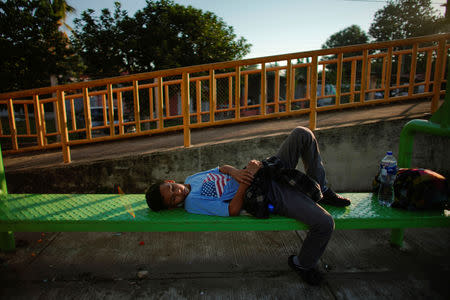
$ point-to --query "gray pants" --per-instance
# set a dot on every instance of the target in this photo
(301, 143)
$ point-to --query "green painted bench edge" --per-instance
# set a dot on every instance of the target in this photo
(204, 226)
(181, 221)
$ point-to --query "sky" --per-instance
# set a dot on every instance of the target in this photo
(273, 27)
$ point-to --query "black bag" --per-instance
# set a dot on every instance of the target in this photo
(418, 189)
(256, 202)
(255, 199)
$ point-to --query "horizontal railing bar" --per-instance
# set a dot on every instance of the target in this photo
(47, 134)
(378, 55)
(18, 102)
(374, 101)
(33, 148)
(26, 135)
(77, 130)
(142, 133)
(252, 118)
(44, 101)
(73, 96)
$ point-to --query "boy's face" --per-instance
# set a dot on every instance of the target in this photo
(173, 193)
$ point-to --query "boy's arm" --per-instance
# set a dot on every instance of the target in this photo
(244, 177)
(234, 208)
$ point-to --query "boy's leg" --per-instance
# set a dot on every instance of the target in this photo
(301, 142)
(321, 225)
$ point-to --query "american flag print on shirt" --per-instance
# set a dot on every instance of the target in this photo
(214, 185)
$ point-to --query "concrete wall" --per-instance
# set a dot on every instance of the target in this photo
(350, 154)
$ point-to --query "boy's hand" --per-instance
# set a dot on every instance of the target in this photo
(242, 176)
(253, 166)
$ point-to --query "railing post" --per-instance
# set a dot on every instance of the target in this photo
(412, 72)
(212, 96)
(185, 100)
(112, 129)
(198, 101)
(387, 81)
(313, 100)
(137, 113)
(289, 81)
(38, 120)
(43, 123)
(237, 95)
(27, 119)
(339, 78)
(263, 89)
(277, 91)
(63, 126)
(160, 103)
(438, 75)
(87, 113)
(362, 97)
(12, 125)
(120, 112)
(353, 82)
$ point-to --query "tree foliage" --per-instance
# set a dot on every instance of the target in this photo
(161, 35)
(32, 46)
(402, 19)
(60, 9)
(351, 35)
(103, 43)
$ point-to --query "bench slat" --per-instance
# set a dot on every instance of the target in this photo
(112, 212)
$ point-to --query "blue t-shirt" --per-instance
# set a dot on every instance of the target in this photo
(211, 192)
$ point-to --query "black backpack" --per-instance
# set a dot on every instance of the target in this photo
(255, 200)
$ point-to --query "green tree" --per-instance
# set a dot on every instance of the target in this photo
(32, 46)
(60, 9)
(105, 42)
(162, 35)
(402, 19)
(351, 35)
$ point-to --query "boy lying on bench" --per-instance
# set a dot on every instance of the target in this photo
(222, 191)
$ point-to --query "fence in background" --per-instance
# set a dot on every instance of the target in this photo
(223, 93)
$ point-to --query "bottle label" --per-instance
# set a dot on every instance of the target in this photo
(388, 169)
(391, 170)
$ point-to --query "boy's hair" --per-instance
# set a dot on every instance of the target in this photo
(154, 197)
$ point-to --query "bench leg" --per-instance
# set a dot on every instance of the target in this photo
(397, 237)
(7, 242)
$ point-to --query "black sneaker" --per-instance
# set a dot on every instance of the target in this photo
(331, 198)
(311, 276)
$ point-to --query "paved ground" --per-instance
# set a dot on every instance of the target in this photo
(359, 264)
(137, 146)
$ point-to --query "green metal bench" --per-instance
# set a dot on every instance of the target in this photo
(112, 213)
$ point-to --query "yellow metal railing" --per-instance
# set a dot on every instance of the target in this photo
(223, 93)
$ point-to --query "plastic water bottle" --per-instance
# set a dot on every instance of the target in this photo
(388, 171)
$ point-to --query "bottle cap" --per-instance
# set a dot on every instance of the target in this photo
(389, 153)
